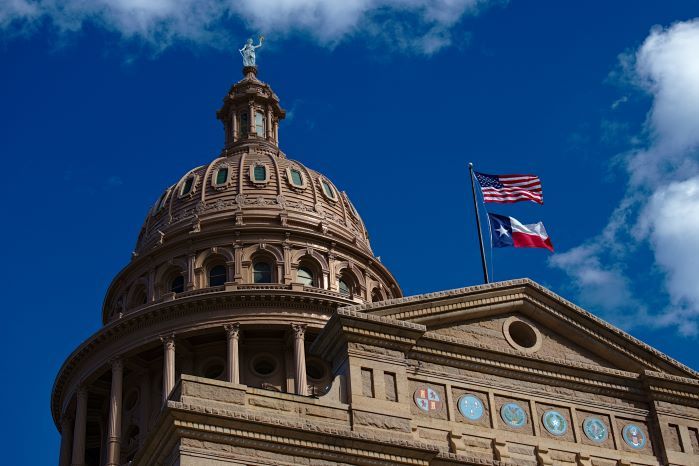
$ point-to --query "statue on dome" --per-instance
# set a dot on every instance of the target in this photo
(248, 51)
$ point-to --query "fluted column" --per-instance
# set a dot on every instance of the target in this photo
(66, 440)
(79, 429)
(114, 427)
(251, 118)
(168, 365)
(232, 336)
(301, 386)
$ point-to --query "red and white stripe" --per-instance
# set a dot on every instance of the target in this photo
(515, 188)
(530, 236)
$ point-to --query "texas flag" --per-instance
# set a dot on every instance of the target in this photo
(510, 232)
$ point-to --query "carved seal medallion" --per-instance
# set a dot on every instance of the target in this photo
(470, 407)
(427, 399)
(634, 436)
(555, 423)
(513, 415)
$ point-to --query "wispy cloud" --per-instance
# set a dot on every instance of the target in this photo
(660, 210)
(417, 26)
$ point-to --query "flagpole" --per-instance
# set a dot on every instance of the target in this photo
(478, 225)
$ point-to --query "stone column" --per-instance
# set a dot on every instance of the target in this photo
(80, 426)
(168, 365)
(251, 118)
(269, 123)
(114, 426)
(66, 440)
(232, 336)
(234, 126)
(300, 359)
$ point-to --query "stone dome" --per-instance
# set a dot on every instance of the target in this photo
(253, 184)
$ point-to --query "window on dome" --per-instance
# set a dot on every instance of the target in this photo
(343, 286)
(177, 284)
(296, 177)
(187, 186)
(259, 173)
(260, 124)
(327, 189)
(261, 272)
(244, 124)
(217, 275)
(222, 176)
(305, 276)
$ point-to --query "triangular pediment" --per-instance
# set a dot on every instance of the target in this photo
(520, 317)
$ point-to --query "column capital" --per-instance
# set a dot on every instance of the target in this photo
(299, 330)
(232, 329)
(117, 363)
(168, 340)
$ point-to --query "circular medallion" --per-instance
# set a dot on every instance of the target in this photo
(595, 429)
(470, 407)
(555, 423)
(634, 436)
(427, 399)
(513, 415)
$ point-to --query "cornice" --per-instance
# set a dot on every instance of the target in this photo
(533, 293)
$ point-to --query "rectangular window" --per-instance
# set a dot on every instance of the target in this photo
(260, 173)
(187, 185)
(260, 124)
(296, 178)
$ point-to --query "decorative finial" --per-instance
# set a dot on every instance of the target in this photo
(248, 51)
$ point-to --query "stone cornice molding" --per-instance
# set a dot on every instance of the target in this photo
(527, 292)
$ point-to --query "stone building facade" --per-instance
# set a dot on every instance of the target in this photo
(255, 326)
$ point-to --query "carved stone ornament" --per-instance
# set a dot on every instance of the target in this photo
(168, 341)
(232, 330)
(595, 429)
(513, 415)
(634, 436)
(299, 330)
(470, 407)
(555, 423)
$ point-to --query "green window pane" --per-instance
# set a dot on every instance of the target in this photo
(222, 175)
(327, 189)
(260, 124)
(259, 173)
(296, 178)
(187, 185)
(343, 287)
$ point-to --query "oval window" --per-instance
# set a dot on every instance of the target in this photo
(187, 186)
(259, 173)
(264, 366)
(327, 189)
(217, 275)
(296, 177)
(222, 176)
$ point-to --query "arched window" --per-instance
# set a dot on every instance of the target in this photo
(217, 275)
(260, 124)
(139, 297)
(261, 272)
(305, 276)
(177, 284)
(343, 286)
(222, 176)
(376, 295)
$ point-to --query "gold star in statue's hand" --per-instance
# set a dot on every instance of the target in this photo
(262, 38)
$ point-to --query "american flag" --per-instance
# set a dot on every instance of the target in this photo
(506, 189)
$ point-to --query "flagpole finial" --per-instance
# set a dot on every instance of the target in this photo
(470, 165)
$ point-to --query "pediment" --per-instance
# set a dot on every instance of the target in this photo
(483, 316)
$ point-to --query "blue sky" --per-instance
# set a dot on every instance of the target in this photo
(106, 103)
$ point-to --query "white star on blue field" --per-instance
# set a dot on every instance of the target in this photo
(107, 103)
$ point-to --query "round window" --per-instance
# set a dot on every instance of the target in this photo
(315, 370)
(213, 370)
(264, 365)
(521, 335)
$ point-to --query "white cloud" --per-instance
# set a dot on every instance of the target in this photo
(661, 207)
(422, 26)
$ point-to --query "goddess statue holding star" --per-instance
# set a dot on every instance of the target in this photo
(248, 51)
